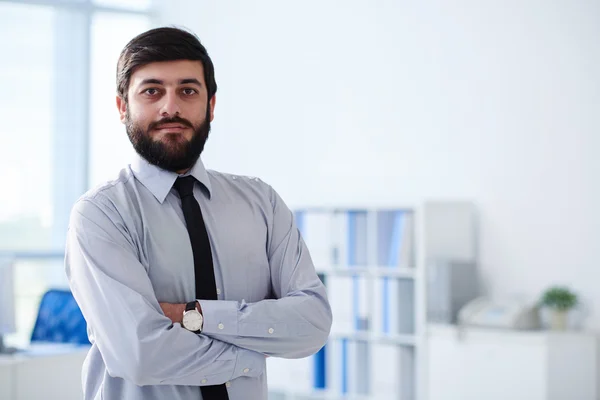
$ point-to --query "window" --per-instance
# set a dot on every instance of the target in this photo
(110, 149)
(28, 117)
(60, 130)
(140, 5)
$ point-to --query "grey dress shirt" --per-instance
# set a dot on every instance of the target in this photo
(128, 249)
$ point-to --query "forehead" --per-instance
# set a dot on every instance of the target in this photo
(168, 71)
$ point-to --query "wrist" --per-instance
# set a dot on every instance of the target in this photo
(191, 317)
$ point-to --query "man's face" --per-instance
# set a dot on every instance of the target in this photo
(167, 115)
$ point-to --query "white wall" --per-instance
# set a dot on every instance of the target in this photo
(392, 101)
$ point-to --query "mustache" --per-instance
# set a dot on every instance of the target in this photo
(170, 120)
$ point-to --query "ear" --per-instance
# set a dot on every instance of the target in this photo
(122, 106)
(211, 104)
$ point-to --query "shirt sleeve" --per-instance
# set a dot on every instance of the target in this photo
(294, 325)
(137, 341)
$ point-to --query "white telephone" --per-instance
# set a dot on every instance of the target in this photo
(513, 314)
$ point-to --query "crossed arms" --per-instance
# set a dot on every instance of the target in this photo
(142, 342)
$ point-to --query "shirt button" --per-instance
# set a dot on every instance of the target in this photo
(204, 381)
(246, 370)
(218, 291)
(221, 326)
(271, 330)
(227, 384)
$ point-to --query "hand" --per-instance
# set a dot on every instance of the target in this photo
(173, 311)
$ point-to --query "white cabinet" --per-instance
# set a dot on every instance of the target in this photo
(6, 377)
(475, 364)
(372, 261)
(43, 372)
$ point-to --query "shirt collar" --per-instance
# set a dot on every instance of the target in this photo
(160, 181)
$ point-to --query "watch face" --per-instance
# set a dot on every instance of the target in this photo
(192, 320)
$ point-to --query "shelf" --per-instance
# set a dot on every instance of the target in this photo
(283, 394)
(379, 338)
(326, 209)
(370, 271)
(372, 260)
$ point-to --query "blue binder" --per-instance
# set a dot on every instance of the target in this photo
(319, 359)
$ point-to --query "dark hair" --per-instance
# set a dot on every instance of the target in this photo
(163, 44)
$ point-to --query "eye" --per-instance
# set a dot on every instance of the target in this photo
(151, 91)
(189, 91)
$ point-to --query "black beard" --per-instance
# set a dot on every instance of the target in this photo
(174, 156)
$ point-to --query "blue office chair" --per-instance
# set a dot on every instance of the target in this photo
(59, 320)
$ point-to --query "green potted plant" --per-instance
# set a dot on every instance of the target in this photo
(560, 300)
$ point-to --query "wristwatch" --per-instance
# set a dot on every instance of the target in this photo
(192, 319)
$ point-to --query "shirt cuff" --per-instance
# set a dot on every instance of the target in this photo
(220, 317)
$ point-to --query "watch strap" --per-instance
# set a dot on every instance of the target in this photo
(190, 306)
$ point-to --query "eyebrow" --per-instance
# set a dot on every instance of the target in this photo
(184, 81)
(190, 80)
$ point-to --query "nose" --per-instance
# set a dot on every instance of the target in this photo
(170, 106)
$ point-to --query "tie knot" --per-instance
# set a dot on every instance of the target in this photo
(185, 186)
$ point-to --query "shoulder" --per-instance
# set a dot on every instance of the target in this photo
(251, 194)
(103, 199)
(236, 179)
(246, 186)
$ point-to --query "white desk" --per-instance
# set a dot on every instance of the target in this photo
(6, 378)
(42, 372)
(500, 365)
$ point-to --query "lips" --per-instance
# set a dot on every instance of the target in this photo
(171, 126)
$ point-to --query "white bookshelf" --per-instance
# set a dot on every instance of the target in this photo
(373, 262)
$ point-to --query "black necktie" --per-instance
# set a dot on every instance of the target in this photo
(206, 287)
